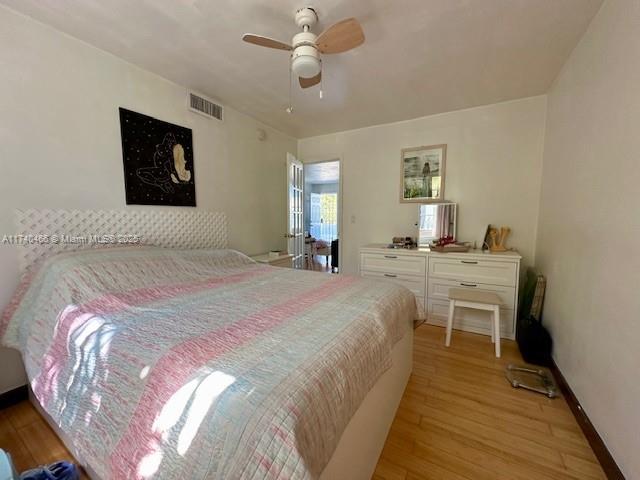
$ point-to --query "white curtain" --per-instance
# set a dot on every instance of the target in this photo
(443, 220)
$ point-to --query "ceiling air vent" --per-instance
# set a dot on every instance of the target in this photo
(204, 106)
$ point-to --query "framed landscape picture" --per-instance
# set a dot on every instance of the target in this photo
(422, 174)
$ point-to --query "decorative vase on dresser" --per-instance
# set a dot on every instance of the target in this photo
(429, 275)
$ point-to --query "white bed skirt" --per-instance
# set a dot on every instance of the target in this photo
(359, 447)
(357, 453)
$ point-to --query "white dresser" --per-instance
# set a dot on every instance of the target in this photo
(429, 275)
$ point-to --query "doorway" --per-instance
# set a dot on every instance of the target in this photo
(322, 215)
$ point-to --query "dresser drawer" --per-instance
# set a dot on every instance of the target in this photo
(390, 263)
(473, 271)
(470, 320)
(439, 290)
(413, 282)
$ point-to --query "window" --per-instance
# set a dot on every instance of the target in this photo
(324, 216)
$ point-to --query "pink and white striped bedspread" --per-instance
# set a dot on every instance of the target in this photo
(170, 364)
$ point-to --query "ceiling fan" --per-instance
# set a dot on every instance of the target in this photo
(306, 47)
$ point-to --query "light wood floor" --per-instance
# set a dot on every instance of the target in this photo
(459, 419)
(28, 438)
(319, 264)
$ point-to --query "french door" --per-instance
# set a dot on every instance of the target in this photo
(295, 201)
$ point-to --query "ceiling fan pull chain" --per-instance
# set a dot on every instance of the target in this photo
(321, 80)
(289, 109)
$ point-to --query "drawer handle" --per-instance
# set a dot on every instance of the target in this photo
(469, 262)
(468, 285)
(390, 275)
(390, 256)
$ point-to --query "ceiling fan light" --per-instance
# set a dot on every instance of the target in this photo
(306, 59)
(306, 66)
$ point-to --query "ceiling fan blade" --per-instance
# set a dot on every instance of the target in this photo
(310, 82)
(265, 41)
(341, 36)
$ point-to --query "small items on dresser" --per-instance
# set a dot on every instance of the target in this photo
(442, 241)
(494, 239)
(448, 244)
(403, 242)
(450, 248)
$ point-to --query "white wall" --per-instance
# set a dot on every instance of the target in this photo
(494, 161)
(590, 226)
(60, 144)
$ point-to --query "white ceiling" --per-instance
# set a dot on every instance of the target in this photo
(420, 57)
(324, 172)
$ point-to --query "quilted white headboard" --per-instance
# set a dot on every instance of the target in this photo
(51, 231)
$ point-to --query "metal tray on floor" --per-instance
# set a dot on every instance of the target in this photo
(535, 379)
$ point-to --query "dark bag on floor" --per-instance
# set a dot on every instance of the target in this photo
(534, 341)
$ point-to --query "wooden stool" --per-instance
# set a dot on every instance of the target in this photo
(480, 300)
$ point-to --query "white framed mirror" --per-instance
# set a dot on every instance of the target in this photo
(435, 221)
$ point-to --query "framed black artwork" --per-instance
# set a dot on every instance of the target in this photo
(158, 161)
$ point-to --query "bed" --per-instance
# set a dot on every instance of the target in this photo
(178, 363)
